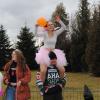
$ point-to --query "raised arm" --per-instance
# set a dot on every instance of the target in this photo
(63, 27)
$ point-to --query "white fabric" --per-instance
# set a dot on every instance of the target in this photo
(50, 42)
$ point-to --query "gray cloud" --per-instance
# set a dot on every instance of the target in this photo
(15, 13)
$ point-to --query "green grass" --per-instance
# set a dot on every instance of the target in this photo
(74, 86)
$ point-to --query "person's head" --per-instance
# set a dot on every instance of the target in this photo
(53, 58)
(18, 57)
(50, 26)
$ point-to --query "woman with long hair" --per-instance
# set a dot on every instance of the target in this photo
(17, 75)
(50, 38)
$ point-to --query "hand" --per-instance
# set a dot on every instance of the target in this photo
(60, 85)
(6, 81)
(18, 83)
(58, 18)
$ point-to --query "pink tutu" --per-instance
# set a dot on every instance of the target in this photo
(43, 58)
(1, 92)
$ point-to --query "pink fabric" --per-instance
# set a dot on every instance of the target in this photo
(61, 59)
(43, 58)
(1, 92)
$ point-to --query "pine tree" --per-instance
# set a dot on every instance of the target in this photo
(61, 12)
(4, 46)
(62, 42)
(93, 46)
(26, 44)
(80, 37)
(75, 51)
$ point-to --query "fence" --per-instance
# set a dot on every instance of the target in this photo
(68, 94)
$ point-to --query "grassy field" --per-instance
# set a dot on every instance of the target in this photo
(74, 87)
(77, 80)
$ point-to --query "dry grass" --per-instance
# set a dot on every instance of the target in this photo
(77, 80)
(74, 86)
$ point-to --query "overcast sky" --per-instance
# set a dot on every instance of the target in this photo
(16, 13)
